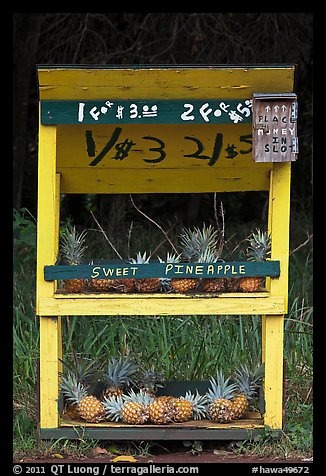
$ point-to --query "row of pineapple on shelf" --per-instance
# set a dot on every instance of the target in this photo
(202, 245)
(125, 393)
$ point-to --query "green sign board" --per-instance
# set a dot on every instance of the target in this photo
(163, 270)
(149, 111)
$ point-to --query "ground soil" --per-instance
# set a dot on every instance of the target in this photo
(177, 457)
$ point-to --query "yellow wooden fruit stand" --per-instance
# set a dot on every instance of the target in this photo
(105, 110)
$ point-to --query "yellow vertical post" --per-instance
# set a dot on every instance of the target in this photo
(273, 326)
(57, 229)
(47, 247)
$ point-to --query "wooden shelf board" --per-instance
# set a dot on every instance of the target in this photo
(251, 420)
(246, 428)
(161, 304)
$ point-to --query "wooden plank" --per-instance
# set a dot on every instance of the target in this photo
(273, 359)
(127, 270)
(166, 146)
(251, 420)
(150, 305)
(149, 111)
(280, 225)
(113, 181)
(143, 434)
(47, 220)
(49, 371)
(156, 159)
(273, 326)
(162, 82)
(63, 294)
(246, 428)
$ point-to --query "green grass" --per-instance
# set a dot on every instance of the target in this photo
(183, 348)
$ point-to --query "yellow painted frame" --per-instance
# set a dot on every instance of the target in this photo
(199, 82)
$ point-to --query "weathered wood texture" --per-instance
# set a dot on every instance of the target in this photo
(161, 159)
(275, 128)
(162, 82)
(151, 305)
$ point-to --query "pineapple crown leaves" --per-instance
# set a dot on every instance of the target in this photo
(120, 370)
(72, 245)
(221, 388)
(196, 241)
(140, 258)
(140, 397)
(198, 402)
(73, 390)
(208, 256)
(248, 380)
(259, 248)
(85, 370)
(112, 406)
(151, 379)
(170, 258)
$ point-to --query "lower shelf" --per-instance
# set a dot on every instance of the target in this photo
(246, 428)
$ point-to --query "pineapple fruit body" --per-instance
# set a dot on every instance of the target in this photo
(212, 285)
(91, 409)
(221, 411)
(232, 284)
(161, 410)
(184, 285)
(148, 285)
(100, 285)
(250, 284)
(240, 405)
(191, 406)
(134, 413)
(74, 285)
(182, 409)
(126, 285)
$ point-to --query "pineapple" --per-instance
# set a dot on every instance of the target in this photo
(191, 406)
(232, 284)
(88, 407)
(211, 285)
(131, 409)
(259, 250)
(199, 245)
(161, 410)
(100, 285)
(150, 381)
(145, 285)
(126, 285)
(170, 258)
(119, 372)
(247, 383)
(72, 250)
(183, 285)
(86, 372)
(219, 397)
